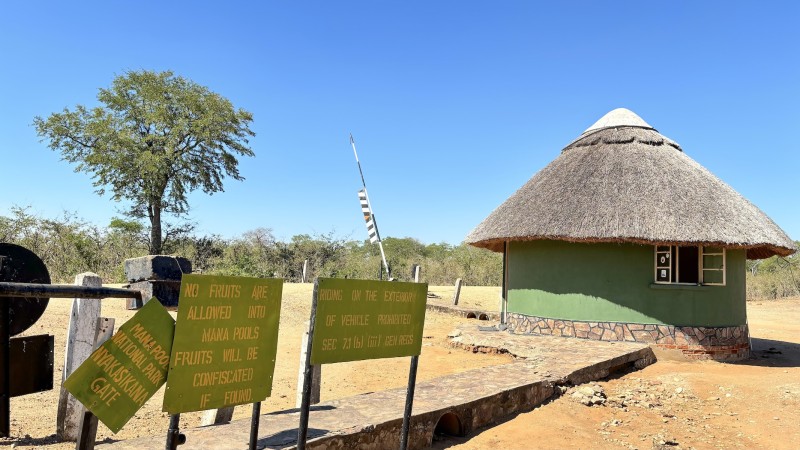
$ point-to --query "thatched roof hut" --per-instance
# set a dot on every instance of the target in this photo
(622, 181)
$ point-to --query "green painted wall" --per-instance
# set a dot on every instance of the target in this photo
(614, 283)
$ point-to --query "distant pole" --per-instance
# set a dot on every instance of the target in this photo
(457, 292)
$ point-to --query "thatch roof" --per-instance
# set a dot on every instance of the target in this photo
(622, 181)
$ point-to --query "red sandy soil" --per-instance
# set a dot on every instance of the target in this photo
(673, 404)
(677, 404)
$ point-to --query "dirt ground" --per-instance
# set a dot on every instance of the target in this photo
(677, 404)
(33, 417)
(673, 404)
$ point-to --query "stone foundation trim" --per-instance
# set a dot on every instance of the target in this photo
(719, 343)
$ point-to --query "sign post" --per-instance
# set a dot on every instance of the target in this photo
(123, 373)
(353, 320)
(308, 372)
(226, 339)
(5, 367)
(412, 383)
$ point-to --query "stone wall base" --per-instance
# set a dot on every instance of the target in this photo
(718, 343)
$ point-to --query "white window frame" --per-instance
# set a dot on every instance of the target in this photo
(703, 269)
(668, 267)
(701, 251)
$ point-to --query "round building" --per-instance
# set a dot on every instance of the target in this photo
(623, 237)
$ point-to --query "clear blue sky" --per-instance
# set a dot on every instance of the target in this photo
(453, 104)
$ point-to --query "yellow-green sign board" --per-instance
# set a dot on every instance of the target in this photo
(226, 338)
(367, 319)
(124, 372)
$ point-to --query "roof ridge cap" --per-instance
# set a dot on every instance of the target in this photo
(590, 132)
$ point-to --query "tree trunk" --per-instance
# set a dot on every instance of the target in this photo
(155, 230)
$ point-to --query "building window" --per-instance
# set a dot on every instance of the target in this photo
(676, 264)
(713, 266)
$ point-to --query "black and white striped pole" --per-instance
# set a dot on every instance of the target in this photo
(366, 208)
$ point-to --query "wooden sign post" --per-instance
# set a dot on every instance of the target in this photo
(353, 320)
(226, 339)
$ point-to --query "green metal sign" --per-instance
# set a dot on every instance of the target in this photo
(226, 338)
(124, 372)
(366, 319)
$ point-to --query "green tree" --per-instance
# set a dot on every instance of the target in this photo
(402, 253)
(155, 138)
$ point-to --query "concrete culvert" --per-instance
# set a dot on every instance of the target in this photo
(448, 425)
(471, 315)
(483, 316)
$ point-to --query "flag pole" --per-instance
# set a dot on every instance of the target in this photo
(364, 183)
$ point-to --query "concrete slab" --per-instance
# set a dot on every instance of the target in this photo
(460, 402)
(156, 267)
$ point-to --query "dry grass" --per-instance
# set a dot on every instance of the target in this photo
(484, 298)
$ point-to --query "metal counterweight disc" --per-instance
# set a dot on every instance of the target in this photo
(20, 265)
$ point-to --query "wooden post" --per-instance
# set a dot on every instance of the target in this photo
(417, 273)
(316, 373)
(81, 336)
(87, 431)
(305, 270)
(217, 416)
(457, 293)
(504, 287)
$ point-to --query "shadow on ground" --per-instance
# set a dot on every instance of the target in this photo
(772, 353)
